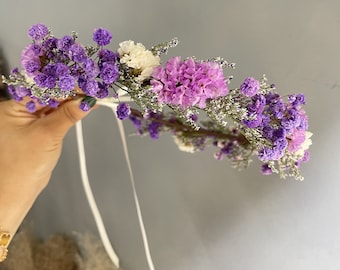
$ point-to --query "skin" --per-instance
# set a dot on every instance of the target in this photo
(30, 146)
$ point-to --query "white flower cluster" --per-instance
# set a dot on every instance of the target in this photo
(184, 145)
(137, 57)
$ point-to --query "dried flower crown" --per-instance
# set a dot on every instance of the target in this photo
(169, 97)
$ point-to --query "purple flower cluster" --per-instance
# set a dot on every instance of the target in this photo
(188, 83)
(283, 124)
(273, 128)
(38, 31)
(250, 87)
(102, 36)
(63, 64)
(123, 111)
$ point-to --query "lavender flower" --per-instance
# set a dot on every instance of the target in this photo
(49, 45)
(87, 103)
(250, 87)
(30, 106)
(45, 81)
(123, 111)
(106, 55)
(102, 36)
(137, 122)
(90, 67)
(77, 53)
(153, 129)
(38, 31)
(66, 83)
(84, 106)
(91, 88)
(266, 170)
(103, 91)
(109, 73)
(30, 60)
(65, 43)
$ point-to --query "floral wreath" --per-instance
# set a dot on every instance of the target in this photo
(243, 122)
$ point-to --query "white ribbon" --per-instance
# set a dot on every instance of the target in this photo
(89, 194)
(90, 198)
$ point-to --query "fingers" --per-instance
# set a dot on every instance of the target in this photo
(63, 118)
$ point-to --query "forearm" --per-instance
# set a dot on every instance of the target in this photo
(15, 202)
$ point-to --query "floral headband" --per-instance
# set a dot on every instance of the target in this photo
(243, 122)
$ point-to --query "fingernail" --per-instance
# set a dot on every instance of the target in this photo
(87, 103)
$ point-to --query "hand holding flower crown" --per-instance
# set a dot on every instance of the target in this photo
(169, 97)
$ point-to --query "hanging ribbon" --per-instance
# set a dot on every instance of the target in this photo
(92, 203)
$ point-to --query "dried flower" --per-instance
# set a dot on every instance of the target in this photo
(252, 120)
(188, 83)
(138, 58)
(102, 36)
(38, 31)
(123, 111)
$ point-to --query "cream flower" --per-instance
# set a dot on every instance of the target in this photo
(305, 145)
(137, 57)
(185, 146)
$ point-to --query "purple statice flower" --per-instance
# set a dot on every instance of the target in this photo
(91, 88)
(106, 55)
(266, 170)
(91, 69)
(267, 153)
(53, 103)
(250, 87)
(291, 119)
(137, 122)
(297, 100)
(253, 123)
(66, 83)
(43, 80)
(306, 156)
(103, 91)
(228, 148)
(109, 73)
(123, 111)
(49, 45)
(188, 83)
(38, 31)
(279, 133)
(102, 36)
(82, 80)
(22, 91)
(77, 53)
(153, 129)
(13, 93)
(61, 70)
(50, 70)
(65, 43)
(30, 60)
(30, 106)
(257, 105)
(84, 106)
(87, 103)
(76, 70)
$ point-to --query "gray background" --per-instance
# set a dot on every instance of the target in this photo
(200, 213)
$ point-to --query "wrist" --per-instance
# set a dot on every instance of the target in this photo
(15, 202)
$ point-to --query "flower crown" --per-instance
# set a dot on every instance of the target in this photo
(169, 97)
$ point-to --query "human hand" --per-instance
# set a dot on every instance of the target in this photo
(30, 146)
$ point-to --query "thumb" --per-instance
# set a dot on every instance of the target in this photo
(63, 118)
